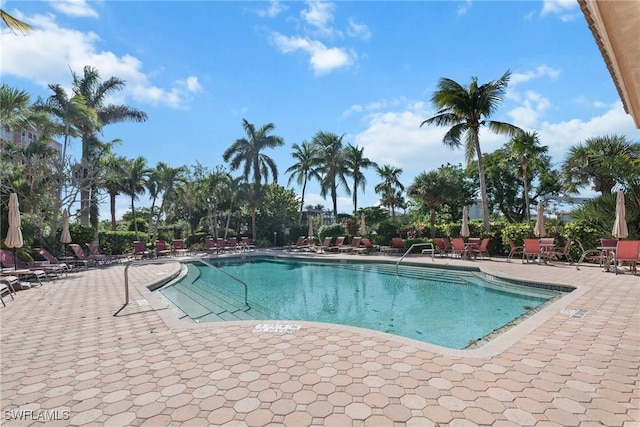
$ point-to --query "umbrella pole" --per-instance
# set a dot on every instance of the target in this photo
(15, 259)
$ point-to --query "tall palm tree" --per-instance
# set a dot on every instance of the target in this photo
(247, 153)
(595, 162)
(114, 167)
(136, 174)
(466, 110)
(356, 162)
(390, 187)
(331, 166)
(237, 189)
(303, 169)
(15, 24)
(525, 150)
(167, 179)
(95, 92)
(215, 188)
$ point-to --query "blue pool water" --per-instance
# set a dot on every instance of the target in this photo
(449, 308)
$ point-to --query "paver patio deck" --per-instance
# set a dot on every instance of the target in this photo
(65, 355)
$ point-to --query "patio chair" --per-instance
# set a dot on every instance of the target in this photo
(178, 247)
(10, 281)
(561, 253)
(482, 249)
(9, 260)
(20, 268)
(627, 252)
(162, 249)
(80, 258)
(99, 258)
(513, 250)
(532, 250)
(233, 244)
(210, 245)
(442, 246)
(459, 248)
(44, 253)
(355, 243)
(473, 243)
(590, 255)
(397, 245)
(4, 288)
(336, 246)
(300, 244)
(367, 247)
(246, 244)
(326, 244)
(221, 245)
(140, 250)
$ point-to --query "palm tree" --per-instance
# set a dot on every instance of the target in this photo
(303, 169)
(390, 188)
(247, 152)
(596, 162)
(114, 182)
(430, 188)
(215, 187)
(331, 166)
(95, 92)
(237, 189)
(356, 162)
(15, 24)
(466, 110)
(525, 150)
(136, 174)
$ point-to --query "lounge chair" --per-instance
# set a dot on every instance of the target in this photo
(442, 246)
(140, 250)
(593, 255)
(178, 247)
(482, 249)
(336, 246)
(459, 247)
(80, 258)
(513, 250)
(627, 252)
(367, 247)
(300, 244)
(36, 270)
(10, 281)
(95, 255)
(4, 288)
(233, 244)
(44, 253)
(246, 244)
(473, 243)
(210, 245)
(532, 249)
(355, 243)
(397, 245)
(162, 249)
(221, 245)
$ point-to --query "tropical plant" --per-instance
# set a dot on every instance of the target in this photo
(14, 24)
(247, 153)
(303, 169)
(390, 188)
(466, 110)
(356, 162)
(114, 181)
(136, 174)
(331, 166)
(431, 189)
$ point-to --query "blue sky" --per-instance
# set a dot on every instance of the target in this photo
(363, 69)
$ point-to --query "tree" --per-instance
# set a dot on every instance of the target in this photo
(466, 110)
(136, 174)
(114, 182)
(167, 178)
(331, 166)
(95, 93)
(247, 152)
(431, 189)
(356, 162)
(303, 169)
(390, 188)
(525, 150)
(237, 189)
(597, 162)
(15, 24)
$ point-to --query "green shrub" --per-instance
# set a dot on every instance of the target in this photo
(116, 242)
(330, 230)
(386, 230)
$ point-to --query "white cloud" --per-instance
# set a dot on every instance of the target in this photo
(526, 115)
(322, 59)
(50, 51)
(76, 8)
(319, 15)
(558, 6)
(358, 30)
(274, 9)
(464, 7)
(538, 72)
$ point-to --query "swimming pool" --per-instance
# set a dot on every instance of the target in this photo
(450, 308)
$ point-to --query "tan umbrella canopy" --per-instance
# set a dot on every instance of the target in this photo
(539, 230)
(14, 234)
(65, 236)
(310, 232)
(464, 231)
(363, 225)
(620, 230)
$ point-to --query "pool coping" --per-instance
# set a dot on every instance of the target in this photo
(169, 313)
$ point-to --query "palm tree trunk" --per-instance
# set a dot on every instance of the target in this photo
(228, 218)
(135, 222)
(483, 184)
(304, 186)
(526, 193)
(355, 198)
(112, 207)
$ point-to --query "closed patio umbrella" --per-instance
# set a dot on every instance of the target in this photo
(464, 231)
(310, 232)
(620, 230)
(363, 225)
(65, 236)
(539, 230)
(14, 234)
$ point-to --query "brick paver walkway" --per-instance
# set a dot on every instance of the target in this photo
(65, 355)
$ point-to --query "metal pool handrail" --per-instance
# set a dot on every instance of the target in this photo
(246, 289)
(414, 246)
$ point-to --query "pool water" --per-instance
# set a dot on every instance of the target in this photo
(450, 308)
